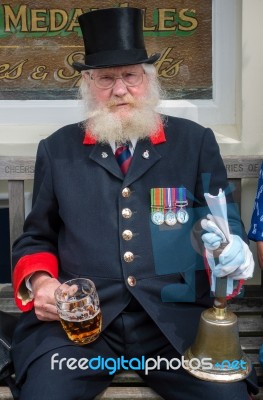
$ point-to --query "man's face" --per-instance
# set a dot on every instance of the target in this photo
(115, 111)
(120, 98)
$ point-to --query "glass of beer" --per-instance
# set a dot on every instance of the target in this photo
(79, 310)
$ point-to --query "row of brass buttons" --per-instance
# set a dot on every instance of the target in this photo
(127, 235)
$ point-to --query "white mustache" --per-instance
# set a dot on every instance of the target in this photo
(117, 102)
(111, 103)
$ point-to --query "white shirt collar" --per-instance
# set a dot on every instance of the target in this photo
(131, 148)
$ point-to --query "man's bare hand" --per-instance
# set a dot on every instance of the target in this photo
(44, 287)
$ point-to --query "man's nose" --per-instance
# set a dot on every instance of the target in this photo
(119, 88)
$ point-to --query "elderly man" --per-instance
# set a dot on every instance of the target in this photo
(118, 199)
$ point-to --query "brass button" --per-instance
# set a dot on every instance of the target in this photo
(131, 281)
(126, 213)
(127, 234)
(128, 256)
(126, 192)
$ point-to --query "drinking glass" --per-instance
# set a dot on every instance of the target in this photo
(78, 307)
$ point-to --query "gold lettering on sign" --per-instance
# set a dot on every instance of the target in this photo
(41, 40)
(61, 73)
(173, 67)
(10, 19)
(145, 27)
(12, 73)
(55, 14)
(36, 18)
(164, 17)
(74, 22)
(186, 18)
(3, 69)
(39, 73)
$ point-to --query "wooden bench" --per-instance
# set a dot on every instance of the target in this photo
(17, 170)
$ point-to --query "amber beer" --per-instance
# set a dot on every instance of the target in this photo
(79, 310)
(83, 331)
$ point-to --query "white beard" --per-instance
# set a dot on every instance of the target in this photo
(106, 126)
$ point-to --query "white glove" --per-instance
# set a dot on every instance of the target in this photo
(213, 239)
(235, 261)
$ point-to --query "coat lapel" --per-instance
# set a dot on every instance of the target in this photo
(144, 157)
(103, 155)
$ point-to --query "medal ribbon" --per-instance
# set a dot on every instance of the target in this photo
(181, 196)
(157, 198)
(169, 198)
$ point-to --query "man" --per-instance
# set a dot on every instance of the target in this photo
(116, 225)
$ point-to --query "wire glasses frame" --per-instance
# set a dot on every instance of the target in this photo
(108, 81)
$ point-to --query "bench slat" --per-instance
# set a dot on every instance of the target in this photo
(120, 394)
(17, 168)
(250, 324)
(127, 376)
(242, 166)
(247, 306)
(111, 393)
(250, 344)
(114, 393)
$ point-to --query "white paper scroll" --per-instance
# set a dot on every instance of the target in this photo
(218, 208)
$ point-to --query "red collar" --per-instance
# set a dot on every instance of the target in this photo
(157, 138)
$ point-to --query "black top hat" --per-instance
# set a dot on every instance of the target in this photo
(113, 37)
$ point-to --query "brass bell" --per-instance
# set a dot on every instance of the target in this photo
(216, 354)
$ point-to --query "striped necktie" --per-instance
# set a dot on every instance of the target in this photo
(123, 157)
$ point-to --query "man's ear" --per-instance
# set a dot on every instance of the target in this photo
(85, 75)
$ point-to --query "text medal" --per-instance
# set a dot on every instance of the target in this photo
(169, 204)
(182, 215)
(157, 206)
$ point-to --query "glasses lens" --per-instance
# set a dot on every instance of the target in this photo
(104, 81)
(131, 78)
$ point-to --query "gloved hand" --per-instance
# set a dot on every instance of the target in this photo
(213, 239)
(235, 261)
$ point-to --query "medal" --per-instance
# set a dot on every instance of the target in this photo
(181, 202)
(157, 206)
(170, 218)
(169, 204)
(157, 217)
(182, 216)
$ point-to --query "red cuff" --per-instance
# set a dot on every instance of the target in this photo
(235, 292)
(28, 265)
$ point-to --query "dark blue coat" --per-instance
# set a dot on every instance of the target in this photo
(77, 215)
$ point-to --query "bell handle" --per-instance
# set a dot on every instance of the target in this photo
(221, 283)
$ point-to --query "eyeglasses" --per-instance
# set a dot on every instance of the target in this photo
(108, 81)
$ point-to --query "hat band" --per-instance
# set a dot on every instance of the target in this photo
(116, 57)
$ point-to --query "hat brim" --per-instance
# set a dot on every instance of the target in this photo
(82, 67)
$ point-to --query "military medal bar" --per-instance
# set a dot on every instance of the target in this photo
(157, 206)
(181, 202)
(168, 205)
